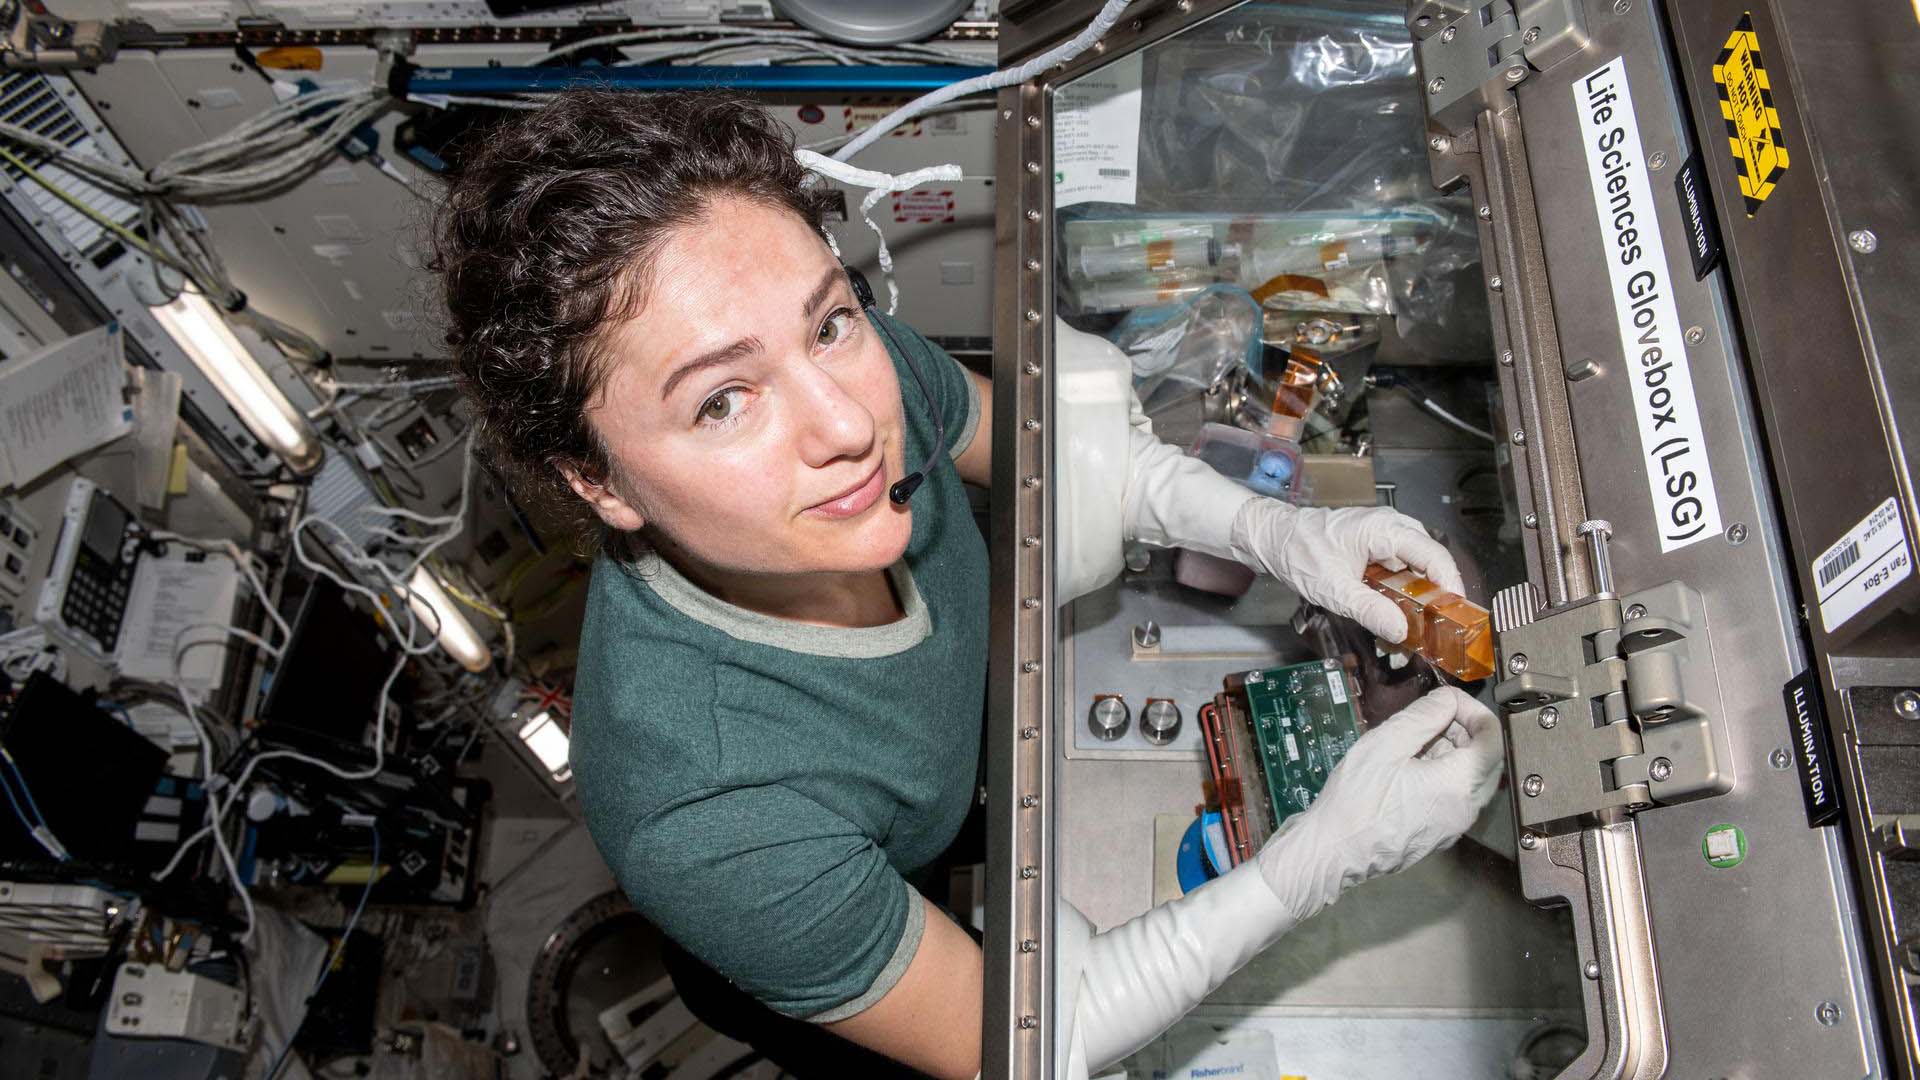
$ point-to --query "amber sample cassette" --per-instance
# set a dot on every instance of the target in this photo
(1451, 631)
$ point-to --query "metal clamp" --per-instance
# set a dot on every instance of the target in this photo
(1470, 54)
(1611, 703)
(30, 41)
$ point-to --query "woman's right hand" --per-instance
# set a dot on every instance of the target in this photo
(1407, 788)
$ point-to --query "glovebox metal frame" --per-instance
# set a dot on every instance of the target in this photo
(1710, 999)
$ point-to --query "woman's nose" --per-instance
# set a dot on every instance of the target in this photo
(832, 423)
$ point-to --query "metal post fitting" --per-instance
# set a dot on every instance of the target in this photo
(1596, 533)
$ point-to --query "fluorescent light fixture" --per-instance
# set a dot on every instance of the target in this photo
(431, 602)
(549, 744)
(204, 335)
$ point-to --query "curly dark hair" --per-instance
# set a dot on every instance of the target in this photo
(546, 238)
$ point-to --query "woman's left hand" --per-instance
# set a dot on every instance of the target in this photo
(1323, 554)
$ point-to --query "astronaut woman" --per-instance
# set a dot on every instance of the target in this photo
(777, 708)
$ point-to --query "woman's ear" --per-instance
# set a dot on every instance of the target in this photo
(616, 511)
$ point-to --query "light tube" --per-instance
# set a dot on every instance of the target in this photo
(457, 635)
(203, 334)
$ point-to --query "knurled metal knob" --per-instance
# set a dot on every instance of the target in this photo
(1160, 721)
(1109, 716)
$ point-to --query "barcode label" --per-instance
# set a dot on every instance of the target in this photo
(1862, 565)
(1293, 748)
(1116, 174)
(1832, 567)
(1337, 682)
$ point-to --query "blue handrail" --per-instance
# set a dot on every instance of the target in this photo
(805, 78)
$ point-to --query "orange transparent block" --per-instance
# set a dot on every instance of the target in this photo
(1448, 629)
(1293, 394)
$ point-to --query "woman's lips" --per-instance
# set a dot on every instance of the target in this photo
(854, 500)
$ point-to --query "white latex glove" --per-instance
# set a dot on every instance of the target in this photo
(1408, 787)
(1323, 554)
(1115, 481)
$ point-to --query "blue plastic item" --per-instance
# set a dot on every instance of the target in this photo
(1199, 860)
(1272, 475)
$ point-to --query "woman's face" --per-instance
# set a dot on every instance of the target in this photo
(750, 409)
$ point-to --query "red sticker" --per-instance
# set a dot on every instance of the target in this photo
(923, 205)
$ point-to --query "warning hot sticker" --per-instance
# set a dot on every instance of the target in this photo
(922, 205)
(1753, 124)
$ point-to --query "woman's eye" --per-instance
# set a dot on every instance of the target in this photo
(721, 406)
(835, 327)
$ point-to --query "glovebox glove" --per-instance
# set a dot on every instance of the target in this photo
(1117, 482)
(1406, 789)
(1113, 480)
(1323, 554)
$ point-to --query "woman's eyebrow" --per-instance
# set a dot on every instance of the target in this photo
(820, 291)
(725, 354)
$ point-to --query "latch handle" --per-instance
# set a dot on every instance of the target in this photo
(1532, 689)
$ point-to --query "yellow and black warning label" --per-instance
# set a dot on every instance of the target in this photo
(1746, 104)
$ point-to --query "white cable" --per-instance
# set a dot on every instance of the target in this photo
(763, 34)
(275, 145)
(388, 412)
(1433, 407)
(409, 515)
(1059, 54)
(636, 36)
(441, 101)
(880, 185)
(207, 774)
(402, 622)
(408, 385)
(335, 391)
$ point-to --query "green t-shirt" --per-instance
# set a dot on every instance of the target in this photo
(760, 787)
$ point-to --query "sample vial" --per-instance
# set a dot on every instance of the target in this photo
(1128, 293)
(1149, 257)
(1445, 627)
(1318, 254)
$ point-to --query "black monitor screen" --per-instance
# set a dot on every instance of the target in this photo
(330, 676)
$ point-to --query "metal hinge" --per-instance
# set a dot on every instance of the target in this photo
(1471, 53)
(32, 41)
(1611, 701)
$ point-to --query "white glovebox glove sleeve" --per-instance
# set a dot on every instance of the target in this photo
(1114, 481)
(1136, 979)
(1409, 787)
(1093, 384)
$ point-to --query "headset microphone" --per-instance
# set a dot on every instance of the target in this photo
(903, 490)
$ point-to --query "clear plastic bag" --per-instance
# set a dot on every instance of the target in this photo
(1307, 261)
(1266, 110)
(1282, 118)
(1197, 341)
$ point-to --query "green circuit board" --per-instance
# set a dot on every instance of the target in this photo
(1305, 721)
